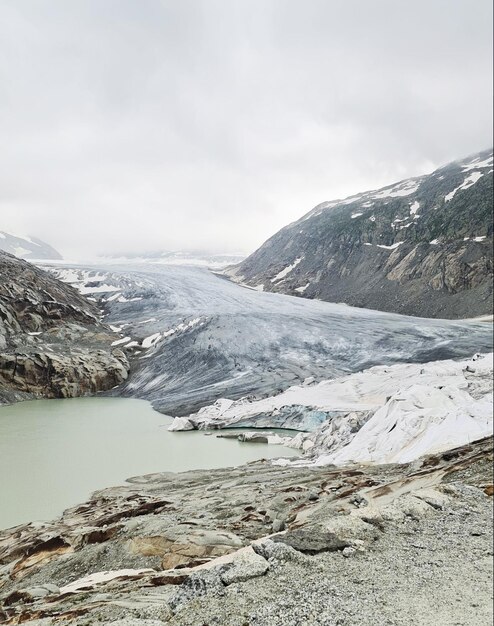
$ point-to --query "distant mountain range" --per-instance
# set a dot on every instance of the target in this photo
(198, 258)
(422, 246)
(25, 247)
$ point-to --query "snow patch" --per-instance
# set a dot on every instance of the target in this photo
(476, 164)
(119, 342)
(20, 251)
(391, 247)
(286, 271)
(397, 191)
(468, 182)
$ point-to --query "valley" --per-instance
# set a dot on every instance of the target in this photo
(320, 440)
(246, 313)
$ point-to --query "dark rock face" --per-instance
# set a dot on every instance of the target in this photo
(51, 341)
(421, 247)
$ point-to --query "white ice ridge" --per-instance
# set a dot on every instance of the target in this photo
(119, 342)
(286, 271)
(409, 410)
(470, 180)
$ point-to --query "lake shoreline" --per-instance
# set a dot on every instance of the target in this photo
(79, 445)
(191, 548)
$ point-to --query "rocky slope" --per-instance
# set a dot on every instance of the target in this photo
(52, 343)
(27, 247)
(266, 546)
(420, 247)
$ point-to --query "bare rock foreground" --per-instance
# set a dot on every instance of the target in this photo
(266, 545)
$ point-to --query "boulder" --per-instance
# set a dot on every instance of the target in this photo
(245, 565)
(312, 539)
(433, 497)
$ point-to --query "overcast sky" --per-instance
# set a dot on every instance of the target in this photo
(131, 125)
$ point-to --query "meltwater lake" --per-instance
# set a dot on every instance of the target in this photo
(54, 453)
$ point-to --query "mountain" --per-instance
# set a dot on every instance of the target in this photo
(52, 343)
(193, 258)
(422, 247)
(25, 247)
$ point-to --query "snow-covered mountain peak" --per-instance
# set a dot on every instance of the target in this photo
(26, 247)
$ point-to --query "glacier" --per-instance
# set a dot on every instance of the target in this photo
(212, 338)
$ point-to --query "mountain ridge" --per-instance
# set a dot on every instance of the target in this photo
(421, 246)
(26, 247)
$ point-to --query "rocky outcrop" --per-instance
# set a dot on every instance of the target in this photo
(52, 343)
(421, 247)
(166, 547)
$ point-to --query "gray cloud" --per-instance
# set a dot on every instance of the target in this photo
(210, 124)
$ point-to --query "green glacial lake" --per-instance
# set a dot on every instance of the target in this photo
(54, 453)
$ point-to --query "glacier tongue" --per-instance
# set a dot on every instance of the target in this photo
(196, 337)
(389, 414)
